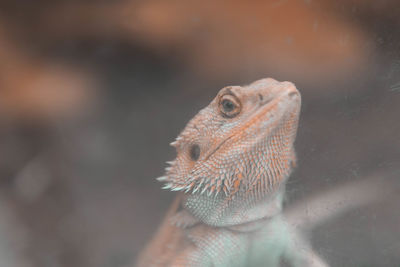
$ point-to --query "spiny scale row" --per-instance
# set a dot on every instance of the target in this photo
(201, 187)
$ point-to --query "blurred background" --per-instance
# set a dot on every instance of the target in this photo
(92, 92)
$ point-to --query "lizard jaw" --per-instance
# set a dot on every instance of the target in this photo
(276, 103)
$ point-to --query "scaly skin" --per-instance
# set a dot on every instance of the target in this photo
(233, 159)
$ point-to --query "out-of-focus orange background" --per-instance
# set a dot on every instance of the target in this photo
(92, 93)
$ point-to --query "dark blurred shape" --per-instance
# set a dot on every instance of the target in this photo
(302, 40)
(33, 88)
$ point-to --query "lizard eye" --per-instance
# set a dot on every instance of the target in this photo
(195, 152)
(229, 106)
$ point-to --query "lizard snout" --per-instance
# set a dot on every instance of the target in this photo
(291, 90)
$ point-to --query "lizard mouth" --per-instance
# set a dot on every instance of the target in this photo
(218, 147)
(266, 112)
(272, 109)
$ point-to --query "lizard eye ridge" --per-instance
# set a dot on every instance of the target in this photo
(229, 106)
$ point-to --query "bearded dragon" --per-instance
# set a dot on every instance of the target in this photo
(233, 160)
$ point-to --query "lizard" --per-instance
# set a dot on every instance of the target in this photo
(233, 160)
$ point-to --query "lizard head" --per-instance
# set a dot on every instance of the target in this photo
(242, 141)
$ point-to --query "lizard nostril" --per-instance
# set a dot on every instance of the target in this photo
(292, 94)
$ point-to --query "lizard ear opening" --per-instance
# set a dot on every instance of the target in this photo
(195, 152)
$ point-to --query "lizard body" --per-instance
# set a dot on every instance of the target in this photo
(233, 159)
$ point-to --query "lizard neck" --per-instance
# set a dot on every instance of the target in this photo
(261, 215)
(242, 212)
